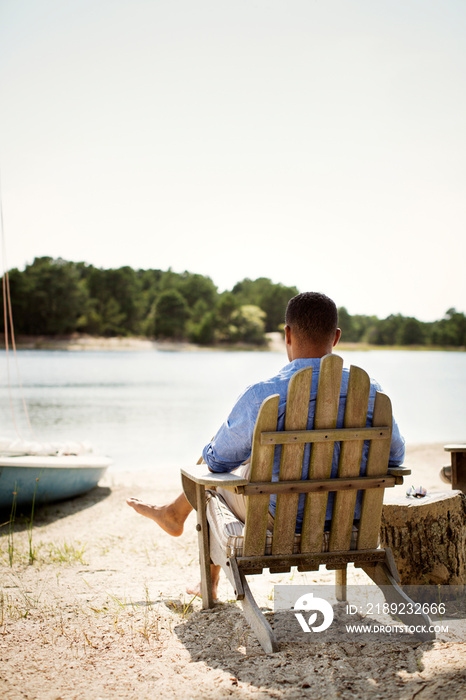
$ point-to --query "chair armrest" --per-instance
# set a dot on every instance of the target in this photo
(201, 475)
(398, 471)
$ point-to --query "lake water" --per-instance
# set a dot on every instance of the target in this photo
(158, 409)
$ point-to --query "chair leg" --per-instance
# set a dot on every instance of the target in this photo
(204, 551)
(251, 610)
(340, 584)
(243, 594)
(381, 575)
(257, 621)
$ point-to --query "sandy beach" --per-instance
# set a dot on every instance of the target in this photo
(81, 342)
(102, 613)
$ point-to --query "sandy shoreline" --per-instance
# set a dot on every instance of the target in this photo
(83, 343)
(78, 342)
(102, 613)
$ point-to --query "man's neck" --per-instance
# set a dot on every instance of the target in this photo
(309, 351)
(299, 347)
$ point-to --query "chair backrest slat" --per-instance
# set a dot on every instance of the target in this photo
(257, 507)
(326, 413)
(377, 465)
(291, 463)
(357, 400)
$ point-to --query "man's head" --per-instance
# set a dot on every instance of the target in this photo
(311, 325)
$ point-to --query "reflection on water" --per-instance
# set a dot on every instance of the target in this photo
(158, 409)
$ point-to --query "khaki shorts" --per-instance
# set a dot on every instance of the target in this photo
(236, 502)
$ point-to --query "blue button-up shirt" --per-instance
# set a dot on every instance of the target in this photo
(232, 444)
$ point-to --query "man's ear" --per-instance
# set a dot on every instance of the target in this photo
(337, 336)
(287, 335)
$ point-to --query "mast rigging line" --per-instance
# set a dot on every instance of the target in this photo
(8, 321)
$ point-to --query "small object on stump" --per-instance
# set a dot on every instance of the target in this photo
(427, 537)
(416, 492)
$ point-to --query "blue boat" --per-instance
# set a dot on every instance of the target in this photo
(46, 479)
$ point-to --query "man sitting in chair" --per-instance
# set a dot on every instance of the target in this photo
(311, 331)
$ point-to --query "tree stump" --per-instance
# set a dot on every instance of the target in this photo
(427, 537)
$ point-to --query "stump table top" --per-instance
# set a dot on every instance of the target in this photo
(399, 499)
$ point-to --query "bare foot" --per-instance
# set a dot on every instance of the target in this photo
(166, 516)
(196, 590)
(215, 576)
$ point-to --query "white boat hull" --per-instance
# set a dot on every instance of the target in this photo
(46, 479)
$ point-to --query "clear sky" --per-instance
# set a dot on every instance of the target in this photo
(321, 143)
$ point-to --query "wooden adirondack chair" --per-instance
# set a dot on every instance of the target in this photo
(257, 554)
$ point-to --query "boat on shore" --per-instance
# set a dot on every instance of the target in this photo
(30, 477)
(34, 473)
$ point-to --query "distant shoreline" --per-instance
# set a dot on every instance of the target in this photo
(85, 343)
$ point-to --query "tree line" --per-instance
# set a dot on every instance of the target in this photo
(59, 297)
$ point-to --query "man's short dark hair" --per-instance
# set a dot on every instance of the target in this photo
(313, 315)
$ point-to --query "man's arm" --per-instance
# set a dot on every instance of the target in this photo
(397, 447)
